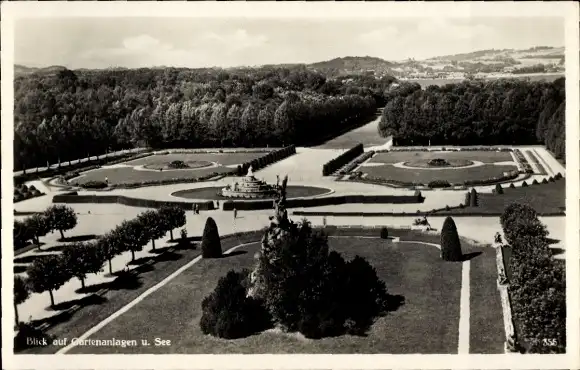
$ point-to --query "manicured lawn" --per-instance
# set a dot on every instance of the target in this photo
(212, 192)
(547, 198)
(426, 323)
(224, 159)
(122, 175)
(482, 156)
(424, 176)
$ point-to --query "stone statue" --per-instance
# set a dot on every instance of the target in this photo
(280, 213)
(250, 172)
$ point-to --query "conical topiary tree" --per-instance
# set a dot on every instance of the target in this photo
(498, 189)
(468, 199)
(473, 198)
(211, 246)
(512, 186)
(524, 184)
(450, 245)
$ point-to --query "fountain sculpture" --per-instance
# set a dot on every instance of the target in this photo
(250, 188)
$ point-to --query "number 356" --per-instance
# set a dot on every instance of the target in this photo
(549, 342)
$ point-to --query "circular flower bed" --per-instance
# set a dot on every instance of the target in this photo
(439, 162)
(179, 165)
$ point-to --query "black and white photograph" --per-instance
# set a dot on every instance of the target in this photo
(230, 179)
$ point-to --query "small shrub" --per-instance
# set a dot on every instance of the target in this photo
(473, 198)
(512, 186)
(32, 188)
(210, 242)
(535, 182)
(177, 164)
(228, 313)
(384, 233)
(524, 184)
(551, 179)
(498, 189)
(558, 176)
(450, 244)
(468, 198)
(461, 205)
(447, 208)
(544, 181)
(439, 184)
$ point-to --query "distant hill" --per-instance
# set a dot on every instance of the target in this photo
(20, 69)
(539, 59)
(353, 65)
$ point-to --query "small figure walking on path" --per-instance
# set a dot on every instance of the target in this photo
(498, 238)
(235, 213)
(324, 221)
(107, 180)
(217, 203)
(194, 208)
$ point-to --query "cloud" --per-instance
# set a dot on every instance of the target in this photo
(449, 29)
(379, 36)
(237, 40)
(144, 42)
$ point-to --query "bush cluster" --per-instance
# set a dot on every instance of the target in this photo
(211, 246)
(537, 282)
(355, 163)
(229, 313)
(266, 160)
(24, 192)
(307, 289)
(335, 164)
(177, 164)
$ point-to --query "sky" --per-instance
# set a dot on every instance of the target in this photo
(228, 42)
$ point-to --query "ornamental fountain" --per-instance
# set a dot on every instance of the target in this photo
(250, 188)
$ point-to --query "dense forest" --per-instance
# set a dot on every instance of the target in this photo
(64, 114)
(478, 113)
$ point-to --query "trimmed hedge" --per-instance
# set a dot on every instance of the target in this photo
(335, 164)
(435, 184)
(94, 185)
(82, 165)
(266, 160)
(352, 165)
(444, 149)
(440, 183)
(134, 202)
(229, 205)
(23, 192)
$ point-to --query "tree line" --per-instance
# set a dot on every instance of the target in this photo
(49, 273)
(509, 112)
(537, 282)
(118, 109)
